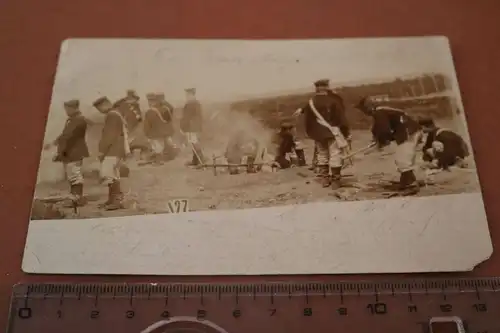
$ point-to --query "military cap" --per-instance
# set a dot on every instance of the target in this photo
(426, 122)
(132, 94)
(151, 97)
(103, 104)
(190, 90)
(323, 83)
(286, 124)
(160, 96)
(73, 103)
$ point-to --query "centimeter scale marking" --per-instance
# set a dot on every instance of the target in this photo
(468, 305)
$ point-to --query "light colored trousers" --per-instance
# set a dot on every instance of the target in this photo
(406, 153)
(110, 169)
(329, 153)
(73, 172)
(157, 145)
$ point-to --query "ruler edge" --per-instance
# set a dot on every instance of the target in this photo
(15, 294)
(22, 289)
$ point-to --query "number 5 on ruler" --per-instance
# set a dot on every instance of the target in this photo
(177, 206)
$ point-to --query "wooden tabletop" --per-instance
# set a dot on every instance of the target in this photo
(32, 31)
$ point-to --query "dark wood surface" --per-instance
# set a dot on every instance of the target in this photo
(31, 33)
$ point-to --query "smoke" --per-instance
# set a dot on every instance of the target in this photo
(222, 124)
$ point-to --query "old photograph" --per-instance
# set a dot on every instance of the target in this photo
(180, 127)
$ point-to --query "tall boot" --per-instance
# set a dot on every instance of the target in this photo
(110, 197)
(407, 180)
(336, 178)
(77, 200)
(301, 157)
(116, 197)
(324, 173)
(314, 162)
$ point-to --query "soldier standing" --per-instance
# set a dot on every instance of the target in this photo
(443, 147)
(191, 125)
(327, 125)
(72, 149)
(133, 103)
(113, 149)
(390, 124)
(156, 127)
(167, 110)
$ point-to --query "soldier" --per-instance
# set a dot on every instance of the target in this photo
(156, 127)
(288, 144)
(191, 125)
(133, 102)
(327, 125)
(443, 147)
(167, 110)
(390, 124)
(113, 149)
(72, 149)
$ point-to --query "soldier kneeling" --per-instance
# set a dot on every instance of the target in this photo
(443, 148)
(288, 145)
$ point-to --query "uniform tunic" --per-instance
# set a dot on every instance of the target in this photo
(71, 144)
(156, 129)
(72, 148)
(454, 147)
(395, 125)
(191, 121)
(113, 146)
(331, 107)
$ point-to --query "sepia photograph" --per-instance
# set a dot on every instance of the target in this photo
(214, 130)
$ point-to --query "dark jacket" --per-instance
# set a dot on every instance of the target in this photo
(391, 124)
(167, 111)
(331, 108)
(191, 120)
(155, 125)
(112, 141)
(71, 144)
(132, 114)
(286, 143)
(454, 147)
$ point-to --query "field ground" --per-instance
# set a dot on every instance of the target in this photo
(149, 188)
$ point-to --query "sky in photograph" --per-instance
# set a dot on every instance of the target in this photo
(222, 70)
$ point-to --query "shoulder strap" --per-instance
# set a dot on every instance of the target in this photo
(159, 114)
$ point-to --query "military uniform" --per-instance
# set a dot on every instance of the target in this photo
(394, 125)
(156, 127)
(330, 142)
(113, 149)
(72, 149)
(288, 144)
(131, 111)
(442, 146)
(191, 124)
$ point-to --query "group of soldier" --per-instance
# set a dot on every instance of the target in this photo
(327, 125)
(121, 124)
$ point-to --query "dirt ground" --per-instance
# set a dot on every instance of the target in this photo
(149, 188)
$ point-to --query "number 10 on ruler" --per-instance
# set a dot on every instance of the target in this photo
(177, 206)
